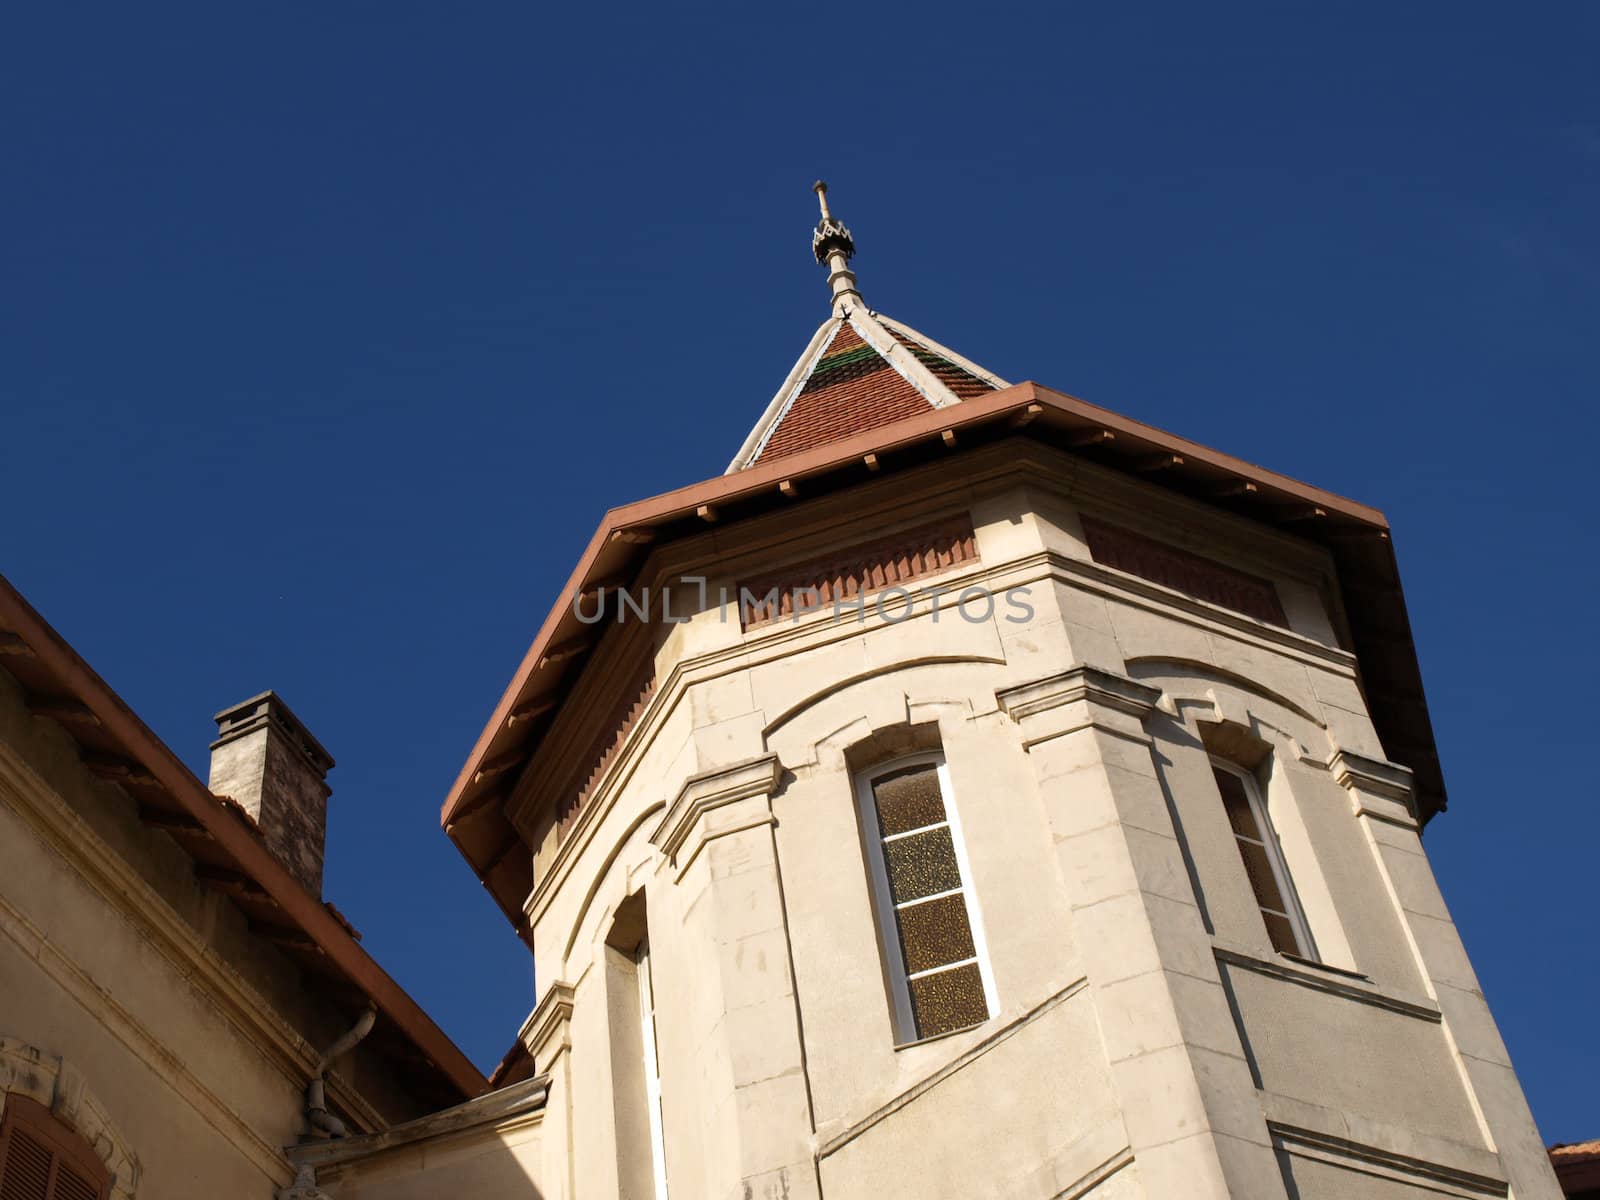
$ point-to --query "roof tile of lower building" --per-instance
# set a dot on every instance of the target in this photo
(1575, 1152)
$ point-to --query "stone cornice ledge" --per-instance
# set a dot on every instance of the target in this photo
(548, 1027)
(1402, 1155)
(1086, 683)
(712, 790)
(1372, 779)
(517, 1100)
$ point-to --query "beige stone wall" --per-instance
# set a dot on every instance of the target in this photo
(135, 995)
(1148, 1039)
(502, 1159)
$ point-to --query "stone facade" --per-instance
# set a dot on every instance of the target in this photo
(1147, 1038)
(697, 840)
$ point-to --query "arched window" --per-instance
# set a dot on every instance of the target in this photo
(41, 1158)
(933, 945)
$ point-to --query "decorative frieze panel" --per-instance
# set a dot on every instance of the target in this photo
(613, 734)
(1184, 572)
(894, 561)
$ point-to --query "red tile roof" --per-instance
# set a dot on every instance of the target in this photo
(958, 379)
(853, 388)
(1576, 1152)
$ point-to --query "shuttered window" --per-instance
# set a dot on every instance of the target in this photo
(42, 1159)
(927, 915)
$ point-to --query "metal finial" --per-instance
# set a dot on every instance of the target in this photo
(830, 236)
(821, 189)
(834, 247)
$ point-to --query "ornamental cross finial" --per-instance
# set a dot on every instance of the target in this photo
(832, 244)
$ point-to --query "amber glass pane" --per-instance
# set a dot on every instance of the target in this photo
(921, 864)
(948, 1000)
(1281, 932)
(908, 799)
(1237, 804)
(1261, 878)
(935, 933)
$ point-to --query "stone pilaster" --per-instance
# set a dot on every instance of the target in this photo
(547, 1036)
(1187, 1098)
(1381, 798)
(717, 836)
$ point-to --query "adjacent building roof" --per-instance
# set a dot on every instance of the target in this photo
(226, 848)
(1577, 1168)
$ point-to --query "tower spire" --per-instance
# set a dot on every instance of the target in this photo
(834, 248)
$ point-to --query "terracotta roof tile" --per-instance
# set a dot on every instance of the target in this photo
(853, 388)
(958, 379)
(1576, 1152)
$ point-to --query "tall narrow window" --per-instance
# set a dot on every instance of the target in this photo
(652, 1069)
(1263, 860)
(928, 921)
(630, 1008)
(42, 1159)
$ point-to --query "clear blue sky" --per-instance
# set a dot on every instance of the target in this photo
(330, 330)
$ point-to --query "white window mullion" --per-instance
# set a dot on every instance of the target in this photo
(652, 1069)
(905, 904)
(974, 918)
(950, 966)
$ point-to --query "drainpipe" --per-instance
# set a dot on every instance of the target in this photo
(317, 1113)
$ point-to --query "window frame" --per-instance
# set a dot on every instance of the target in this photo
(652, 1065)
(883, 906)
(1256, 798)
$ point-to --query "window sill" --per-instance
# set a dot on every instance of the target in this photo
(1318, 965)
(939, 1037)
(1320, 976)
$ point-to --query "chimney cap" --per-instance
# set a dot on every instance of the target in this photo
(269, 708)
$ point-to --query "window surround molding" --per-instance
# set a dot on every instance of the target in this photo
(883, 905)
(1078, 698)
(1246, 734)
(51, 1081)
(715, 804)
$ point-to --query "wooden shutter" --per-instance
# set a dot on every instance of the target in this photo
(41, 1158)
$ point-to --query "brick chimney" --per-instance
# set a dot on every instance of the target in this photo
(265, 759)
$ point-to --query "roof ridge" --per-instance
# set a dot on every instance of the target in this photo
(756, 439)
(959, 360)
(928, 385)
